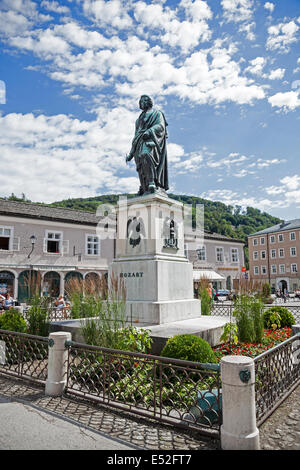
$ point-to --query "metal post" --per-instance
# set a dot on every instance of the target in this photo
(238, 431)
(57, 363)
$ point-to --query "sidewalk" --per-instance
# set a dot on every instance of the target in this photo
(26, 427)
(32, 421)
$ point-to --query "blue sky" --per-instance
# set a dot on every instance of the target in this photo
(226, 73)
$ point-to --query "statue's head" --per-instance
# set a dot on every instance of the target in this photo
(145, 102)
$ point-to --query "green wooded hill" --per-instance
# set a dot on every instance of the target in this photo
(232, 221)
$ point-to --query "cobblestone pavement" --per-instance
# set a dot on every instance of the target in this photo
(144, 434)
(281, 431)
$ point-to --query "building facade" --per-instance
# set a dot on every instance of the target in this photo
(274, 255)
(216, 257)
(51, 245)
(48, 244)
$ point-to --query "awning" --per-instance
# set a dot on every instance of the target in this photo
(207, 274)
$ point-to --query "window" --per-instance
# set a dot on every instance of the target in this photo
(294, 268)
(273, 269)
(220, 254)
(5, 237)
(262, 255)
(234, 255)
(281, 252)
(201, 253)
(255, 241)
(263, 270)
(92, 245)
(53, 242)
(282, 268)
(292, 236)
(272, 239)
(273, 253)
(280, 237)
(256, 270)
(293, 251)
(262, 240)
(255, 255)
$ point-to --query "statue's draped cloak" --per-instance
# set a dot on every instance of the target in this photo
(154, 147)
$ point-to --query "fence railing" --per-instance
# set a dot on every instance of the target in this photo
(24, 355)
(171, 391)
(277, 373)
(53, 313)
(219, 309)
(176, 392)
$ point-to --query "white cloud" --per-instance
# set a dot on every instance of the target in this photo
(248, 29)
(190, 164)
(229, 197)
(256, 66)
(269, 6)
(172, 31)
(54, 6)
(291, 183)
(80, 157)
(111, 13)
(289, 100)
(277, 74)
(237, 10)
(281, 36)
(12, 23)
(289, 190)
(2, 92)
(260, 163)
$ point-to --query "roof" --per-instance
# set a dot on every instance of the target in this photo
(44, 212)
(213, 236)
(281, 227)
(31, 210)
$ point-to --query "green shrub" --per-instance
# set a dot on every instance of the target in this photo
(12, 320)
(136, 340)
(286, 317)
(189, 348)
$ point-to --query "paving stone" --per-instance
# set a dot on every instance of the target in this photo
(144, 434)
(278, 432)
(281, 431)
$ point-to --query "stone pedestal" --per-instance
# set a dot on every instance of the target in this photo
(150, 259)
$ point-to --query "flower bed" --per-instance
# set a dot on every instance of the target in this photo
(270, 339)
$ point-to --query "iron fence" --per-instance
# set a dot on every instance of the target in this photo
(219, 309)
(277, 374)
(53, 313)
(24, 355)
(172, 391)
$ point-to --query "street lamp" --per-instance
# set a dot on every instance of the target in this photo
(33, 240)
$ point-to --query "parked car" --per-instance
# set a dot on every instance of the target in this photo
(291, 295)
(222, 294)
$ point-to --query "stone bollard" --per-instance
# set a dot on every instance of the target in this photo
(57, 363)
(238, 431)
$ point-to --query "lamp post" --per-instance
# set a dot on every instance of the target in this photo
(33, 240)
